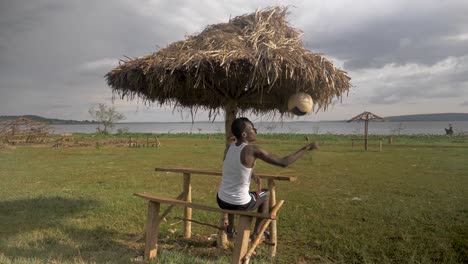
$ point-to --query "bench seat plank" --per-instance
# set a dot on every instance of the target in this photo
(166, 200)
(218, 173)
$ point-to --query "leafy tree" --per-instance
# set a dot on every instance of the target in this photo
(106, 115)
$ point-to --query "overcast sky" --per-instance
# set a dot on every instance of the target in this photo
(404, 57)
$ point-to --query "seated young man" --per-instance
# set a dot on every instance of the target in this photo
(239, 160)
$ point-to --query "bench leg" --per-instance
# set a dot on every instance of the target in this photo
(152, 231)
(222, 236)
(273, 228)
(187, 210)
(242, 239)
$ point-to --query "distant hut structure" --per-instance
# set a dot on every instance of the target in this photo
(251, 64)
(24, 130)
(366, 116)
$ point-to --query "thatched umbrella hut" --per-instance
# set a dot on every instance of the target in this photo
(366, 117)
(24, 130)
(251, 64)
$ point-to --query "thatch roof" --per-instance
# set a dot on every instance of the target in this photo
(255, 61)
(366, 116)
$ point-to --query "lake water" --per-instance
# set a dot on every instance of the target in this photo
(338, 127)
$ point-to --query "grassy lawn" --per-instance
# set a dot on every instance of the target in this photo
(406, 204)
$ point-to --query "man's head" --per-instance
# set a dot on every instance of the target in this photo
(243, 129)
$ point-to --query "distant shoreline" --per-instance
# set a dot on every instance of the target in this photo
(430, 117)
(48, 121)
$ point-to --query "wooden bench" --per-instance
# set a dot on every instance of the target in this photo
(186, 195)
(241, 252)
(365, 143)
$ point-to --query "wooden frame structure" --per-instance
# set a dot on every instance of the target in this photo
(241, 252)
(186, 196)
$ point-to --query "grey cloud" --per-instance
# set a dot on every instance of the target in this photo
(420, 90)
(414, 35)
(46, 54)
(418, 87)
(56, 53)
(55, 106)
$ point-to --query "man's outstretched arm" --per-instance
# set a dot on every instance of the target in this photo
(260, 153)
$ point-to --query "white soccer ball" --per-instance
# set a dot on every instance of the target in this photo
(300, 104)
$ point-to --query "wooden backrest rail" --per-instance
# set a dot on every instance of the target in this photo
(218, 173)
(166, 200)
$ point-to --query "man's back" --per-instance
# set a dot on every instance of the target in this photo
(235, 181)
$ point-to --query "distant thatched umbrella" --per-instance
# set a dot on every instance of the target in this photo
(253, 63)
(24, 127)
(24, 130)
(366, 116)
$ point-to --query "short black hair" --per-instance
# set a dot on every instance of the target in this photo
(238, 126)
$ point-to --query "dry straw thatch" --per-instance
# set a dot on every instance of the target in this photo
(253, 63)
(24, 130)
(366, 116)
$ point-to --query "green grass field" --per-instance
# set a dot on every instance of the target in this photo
(406, 204)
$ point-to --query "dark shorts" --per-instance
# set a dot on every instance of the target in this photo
(254, 203)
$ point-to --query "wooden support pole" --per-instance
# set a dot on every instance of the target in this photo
(242, 240)
(366, 133)
(169, 209)
(152, 230)
(273, 230)
(263, 227)
(200, 223)
(221, 241)
(187, 210)
(162, 216)
(380, 145)
(230, 114)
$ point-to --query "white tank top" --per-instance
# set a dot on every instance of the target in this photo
(235, 182)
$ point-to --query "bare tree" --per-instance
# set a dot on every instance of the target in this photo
(105, 115)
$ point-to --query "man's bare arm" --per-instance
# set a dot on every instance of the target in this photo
(284, 161)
